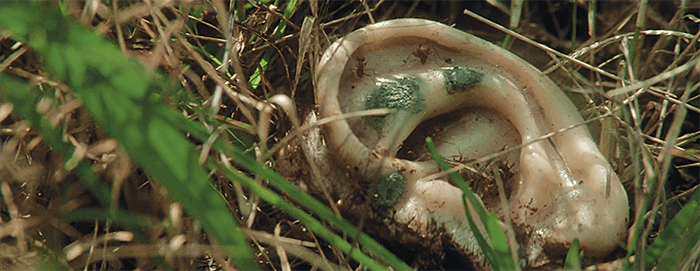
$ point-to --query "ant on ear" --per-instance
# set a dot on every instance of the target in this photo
(423, 52)
(359, 69)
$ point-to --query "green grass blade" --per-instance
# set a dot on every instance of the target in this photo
(315, 206)
(516, 9)
(320, 210)
(256, 77)
(573, 257)
(125, 104)
(498, 250)
(309, 221)
(154, 139)
(677, 239)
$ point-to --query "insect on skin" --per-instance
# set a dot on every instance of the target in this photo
(422, 52)
(360, 67)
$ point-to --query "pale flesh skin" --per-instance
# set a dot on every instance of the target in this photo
(564, 188)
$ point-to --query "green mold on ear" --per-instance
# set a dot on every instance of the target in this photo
(459, 78)
(402, 94)
(389, 188)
